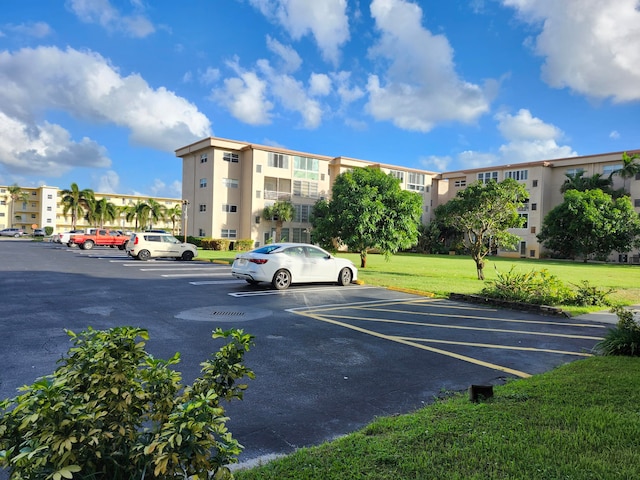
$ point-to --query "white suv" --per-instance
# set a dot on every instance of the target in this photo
(146, 245)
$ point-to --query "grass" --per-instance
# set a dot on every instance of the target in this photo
(444, 274)
(579, 421)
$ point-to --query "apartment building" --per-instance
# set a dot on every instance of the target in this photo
(42, 208)
(228, 183)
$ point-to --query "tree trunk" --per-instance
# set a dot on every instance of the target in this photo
(363, 259)
(480, 268)
(278, 231)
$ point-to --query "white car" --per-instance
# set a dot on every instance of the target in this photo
(65, 237)
(282, 264)
(146, 245)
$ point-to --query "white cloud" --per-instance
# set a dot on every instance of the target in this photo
(161, 189)
(325, 20)
(108, 17)
(589, 46)
(32, 29)
(109, 182)
(87, 87)
(319, 84)
(615, 135)
(291, 61)
(436, 163)
(420, 87)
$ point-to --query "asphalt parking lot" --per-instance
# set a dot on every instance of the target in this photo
(327, 359)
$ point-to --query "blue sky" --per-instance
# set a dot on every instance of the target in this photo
(102, 92)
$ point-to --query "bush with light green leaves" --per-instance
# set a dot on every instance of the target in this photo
(113, 411)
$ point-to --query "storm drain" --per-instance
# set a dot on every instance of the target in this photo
(221, 314)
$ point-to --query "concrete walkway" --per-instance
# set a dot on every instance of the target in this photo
(606, 316)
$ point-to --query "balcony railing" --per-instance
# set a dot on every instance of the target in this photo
(273, 195)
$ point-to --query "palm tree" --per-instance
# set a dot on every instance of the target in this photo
(102, 210)
(174, 214)
(157, 211)
(75, 201)
(17, 194)
(139, 212)
(577, 181)
(279, 212)
(629, 168)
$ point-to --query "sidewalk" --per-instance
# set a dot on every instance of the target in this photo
(605, 316)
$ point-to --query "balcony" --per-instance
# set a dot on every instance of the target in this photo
(278, 196)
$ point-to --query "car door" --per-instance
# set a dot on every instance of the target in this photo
(171, 246)
(295, 260)
(320, 267)
(155, 245)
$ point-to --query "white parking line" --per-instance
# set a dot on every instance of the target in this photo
(196, 275)
(216, 282)
(290, 292)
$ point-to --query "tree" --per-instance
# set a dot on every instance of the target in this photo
(577, 181)
(590, 223)
(16, 194)
(280, 212)
(629, 168)
(76, 201)
(484, 212)
(113, 411)
(101, 211)
(368, 210)
(174, 214)
(139, 212)
(157, 211)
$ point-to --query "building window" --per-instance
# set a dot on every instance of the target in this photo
(230, 182)
(278, 160)
(48, 209)
(203, 158)
(611, 169)
(229, 208)
(203, 207)
(230, 157)
(305, 189)
(201, 232)
(533, 230)
(300, 235)
(49, 197)
(258, 168)
(416, 182)
(534, 183)
(228, 233)
(518, 175)
(397, 174)
(636, 202)
(33, 215)
(526, 219)
(574, 171)
(1, 214)
(460, 183)
(306, 168)
(534, 206)
(302, 213)
(486, 177)
(532, 253)
(258, 193)
(203, 182)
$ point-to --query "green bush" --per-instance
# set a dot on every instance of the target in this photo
(589, 295)
(536, 287)
(48, 231)
(243, 245)
(113, 411)
(624, 339)
(219, 244)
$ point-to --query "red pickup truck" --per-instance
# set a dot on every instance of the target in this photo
(100, 237)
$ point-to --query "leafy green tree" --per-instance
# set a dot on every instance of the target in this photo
(577, 181)
(138, 212)
(101, 211)
(630, 168)
(157, 211)
(76, 202)
(369, 210)
(17, 195)
(590, 223)
(113, 411)
(174, 215)
(485, 212)
(280, 212)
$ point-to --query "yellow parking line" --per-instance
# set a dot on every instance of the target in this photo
(461, 327)
(464, 358)
(498, 347)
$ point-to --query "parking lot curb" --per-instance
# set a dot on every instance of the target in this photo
(479, 299)
(412, 292)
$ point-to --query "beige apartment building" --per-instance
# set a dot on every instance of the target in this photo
(227, 184)
(42, 208)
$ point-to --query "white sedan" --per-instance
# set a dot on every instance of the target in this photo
(282, 264)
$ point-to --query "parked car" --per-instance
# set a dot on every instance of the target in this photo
(145, 245)
(39, 232)
(12, 232)
(282, 264)
(65, 237)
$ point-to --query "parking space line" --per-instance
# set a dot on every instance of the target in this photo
(290, 291)
(216, 282)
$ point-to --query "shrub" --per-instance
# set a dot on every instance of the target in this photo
(220, 244)
(624, 339)
(243, 245)
(589, 295)
(113, 411)
(537, 287)
(197, 241)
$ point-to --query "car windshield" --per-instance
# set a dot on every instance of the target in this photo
(170, 239)
(267, 249)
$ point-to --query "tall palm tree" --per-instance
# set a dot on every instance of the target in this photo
(76, 201)
(17, 194)
(629, 168)
(102, 211)
(279, 212)
(157, 211)
(577, 181)
(174, 214)
(139, 212)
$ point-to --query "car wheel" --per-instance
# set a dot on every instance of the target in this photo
(88, 245)
(17, 235)
(121, 247)
(281, 280)
(70, 244)
(144, 255)
(187, 255)
(251, 282)
(345, 276)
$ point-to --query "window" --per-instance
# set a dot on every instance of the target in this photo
(203, 207)
(258, 193)
(203, 182)
(201, 232)
(534, 206)
(574, 171)
(48, 209)
(416, 182)
(460, 183)
(230, 182)
(33, 215)
(34, 193)
(3, 202)
(486, 177)
(532, 253)
(533, 230)
(397, 174)
(49, 197)
(302, 213)
(300, 235)
(305, 189)
(203, 158)
(636, 202)
(228, 233)
(258, 168)
(1, 214)
(305, 167)
(526, 220)
(534, 183)
(518, 175)
(230, 157)
(278, 160)
(610, 169)
(229, 208)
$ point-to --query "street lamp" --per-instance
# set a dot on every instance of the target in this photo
(185, 210)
